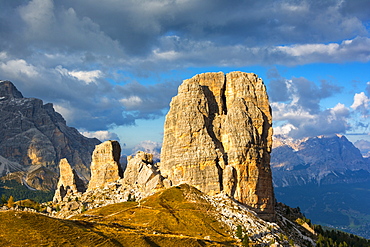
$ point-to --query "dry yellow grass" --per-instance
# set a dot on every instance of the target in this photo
(174, 217)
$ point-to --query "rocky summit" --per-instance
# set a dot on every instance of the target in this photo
(34, 138)
(218, 137)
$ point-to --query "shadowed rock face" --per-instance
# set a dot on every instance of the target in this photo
(105, 166)
(36, 137)
(218, 137)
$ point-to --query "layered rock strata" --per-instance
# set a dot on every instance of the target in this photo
(35, 136)
(218, 137)
(105, 166)
(69, 183)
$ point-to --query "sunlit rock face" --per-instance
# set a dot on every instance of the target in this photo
(69, 183)
(218, 137)
(142, 174)
(105, 166)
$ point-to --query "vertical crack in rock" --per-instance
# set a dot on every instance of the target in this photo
(69, 182)
(105, 166)
(218, 136)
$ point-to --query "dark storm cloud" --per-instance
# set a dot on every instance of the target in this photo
(138, 27)
(69, 52)
(138, 24)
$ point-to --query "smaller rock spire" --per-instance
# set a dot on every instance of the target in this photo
(105, 166)
(69, 182)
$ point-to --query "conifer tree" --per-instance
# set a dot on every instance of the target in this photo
(239, 232)
(3, 199)
(10, 202)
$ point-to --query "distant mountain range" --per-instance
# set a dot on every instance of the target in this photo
(33, 138)
(318, 160)
(327, 177)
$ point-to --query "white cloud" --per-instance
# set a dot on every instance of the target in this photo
(309, 49)
(66, 112)
(360, 100)
(357, 49)
(298, 125)
(102, 135)
(131, 102)
(361, 105)
(86, 76)
(166, 55)
(149, 147)
(299, 115)
(284, 129)
(18, 68)
(3, 55)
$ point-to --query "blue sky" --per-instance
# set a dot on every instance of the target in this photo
(111, 67)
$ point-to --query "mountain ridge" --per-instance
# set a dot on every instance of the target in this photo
(36, 137)
(323, 159)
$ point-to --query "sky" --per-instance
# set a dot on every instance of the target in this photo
(111, 67)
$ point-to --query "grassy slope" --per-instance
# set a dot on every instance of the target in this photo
(24, 228)
(174, 217)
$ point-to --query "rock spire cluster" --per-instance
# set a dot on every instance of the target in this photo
(218, 137)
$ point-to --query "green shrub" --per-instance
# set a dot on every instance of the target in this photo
(239, 232)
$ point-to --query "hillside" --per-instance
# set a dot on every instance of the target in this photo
(178, 216)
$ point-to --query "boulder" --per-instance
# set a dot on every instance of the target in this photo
(142, 173)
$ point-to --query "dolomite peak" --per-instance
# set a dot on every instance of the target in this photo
(218, 138)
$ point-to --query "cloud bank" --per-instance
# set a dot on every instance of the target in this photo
(86, 56)
(297, 112)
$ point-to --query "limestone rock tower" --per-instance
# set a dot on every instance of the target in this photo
(218, 137)
(105, 166)
(69, 182)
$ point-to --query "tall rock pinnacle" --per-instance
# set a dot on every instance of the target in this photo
(218, 137)
(105, 166)
(69, 182)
